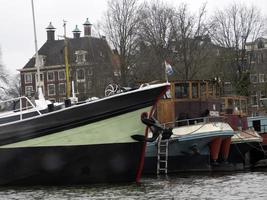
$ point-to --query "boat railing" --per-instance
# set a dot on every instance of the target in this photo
(192, 121)
(21, 107)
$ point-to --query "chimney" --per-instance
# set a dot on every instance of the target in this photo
(76, 32)
(87, 28)
(50, 32)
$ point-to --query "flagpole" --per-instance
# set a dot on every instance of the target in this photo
(166, 75)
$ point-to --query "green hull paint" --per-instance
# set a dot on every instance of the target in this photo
(113, 130)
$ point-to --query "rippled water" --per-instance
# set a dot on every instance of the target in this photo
(246, 185)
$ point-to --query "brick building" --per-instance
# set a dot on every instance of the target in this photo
(257, 60)
(90, 65)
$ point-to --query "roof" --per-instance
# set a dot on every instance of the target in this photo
(98, 51)
(77, 30)
(50, 26)
(87, 22)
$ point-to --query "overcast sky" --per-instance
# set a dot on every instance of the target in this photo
(16, 32)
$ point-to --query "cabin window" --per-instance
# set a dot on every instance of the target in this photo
(181, 90)
(203, 89)
(194, 90)
(61, 75)
(62, 89)
(80, 74)
(257, 125)
(51, 89)
(50, 76)
(28, 78)
(28, 90)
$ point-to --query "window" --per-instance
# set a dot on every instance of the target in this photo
(254, 101)
(80, 56)
(181, 90)
(42, 60)
(51, 89)
(28, 90)
(62, 89)
(50, 76)
(90, 71)
(90, 84)
(261, 78)
(41, 77)
(260, 44)
(28, 78)
(80, 74)
(81, 88)
(194, 90)
(253, 78)
(61, 75)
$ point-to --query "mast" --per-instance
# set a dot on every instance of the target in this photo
(66, 61)
(37, 61)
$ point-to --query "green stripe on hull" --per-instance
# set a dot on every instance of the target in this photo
(113, 130)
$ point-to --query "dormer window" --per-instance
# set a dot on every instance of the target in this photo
(42, 60)
(80, 56)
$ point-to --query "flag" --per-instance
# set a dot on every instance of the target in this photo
(168, 68)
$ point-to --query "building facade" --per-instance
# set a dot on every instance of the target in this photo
(90, 66)
(257, 60)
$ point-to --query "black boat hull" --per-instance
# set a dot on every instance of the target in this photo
(69, 164)
(86, 143)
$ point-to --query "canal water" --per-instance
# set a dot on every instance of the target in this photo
(245, 185)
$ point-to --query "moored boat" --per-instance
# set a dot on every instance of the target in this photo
(84, 143)
(190, 147)
(246, 145)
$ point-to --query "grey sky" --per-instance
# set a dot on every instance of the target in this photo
(16, 35)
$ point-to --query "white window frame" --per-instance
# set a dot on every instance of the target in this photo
(59, 91)
(80, 56)
(60, 79)
(28, 91)
(254, 95)
(83, 75)
(261, 78)
(29, 75)
(48, 76)
(41, 77)
(48, 90)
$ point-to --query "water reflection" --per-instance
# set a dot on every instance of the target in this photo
(249, 185)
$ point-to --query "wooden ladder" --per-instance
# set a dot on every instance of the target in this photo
(162, 164)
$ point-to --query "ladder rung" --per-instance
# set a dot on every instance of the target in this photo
(163, 161)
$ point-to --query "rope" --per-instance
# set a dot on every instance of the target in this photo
(253, 146)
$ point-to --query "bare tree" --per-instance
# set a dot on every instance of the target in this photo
(190, 34)
(231, 28)
(3, 80)
(120, 28)
(153, 36)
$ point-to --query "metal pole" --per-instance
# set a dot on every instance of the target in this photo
(37, 62)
